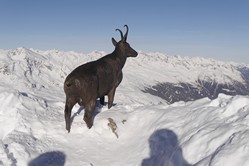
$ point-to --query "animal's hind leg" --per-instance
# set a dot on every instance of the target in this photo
(88, 116)
(67, 113)
(111, 97)
(102, 100)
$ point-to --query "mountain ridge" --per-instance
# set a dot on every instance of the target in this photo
(175, 78)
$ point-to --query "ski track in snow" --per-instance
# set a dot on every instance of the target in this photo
(150, 132)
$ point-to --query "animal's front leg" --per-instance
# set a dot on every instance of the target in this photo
(111, 97)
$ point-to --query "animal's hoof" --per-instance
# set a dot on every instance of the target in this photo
(89, 122)
(68, 130)
(89, 126)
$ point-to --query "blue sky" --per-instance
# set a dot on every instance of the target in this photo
(216, 29)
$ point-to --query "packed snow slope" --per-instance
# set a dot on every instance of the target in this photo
(150, 131)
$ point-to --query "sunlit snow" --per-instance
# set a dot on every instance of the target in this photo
(150, 131)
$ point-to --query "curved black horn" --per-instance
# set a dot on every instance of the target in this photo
(121, 33)
(127, 29)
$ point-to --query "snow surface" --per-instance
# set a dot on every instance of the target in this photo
(150, 132)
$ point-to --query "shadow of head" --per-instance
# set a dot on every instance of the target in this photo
(164, 150)
(54, 158)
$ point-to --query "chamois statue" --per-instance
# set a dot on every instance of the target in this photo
(93, 80)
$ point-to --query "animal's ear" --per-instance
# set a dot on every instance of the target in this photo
(114, 42)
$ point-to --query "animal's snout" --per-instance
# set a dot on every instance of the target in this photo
(136, 53)
(133, 53)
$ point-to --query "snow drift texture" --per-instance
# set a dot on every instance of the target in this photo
(210, 131)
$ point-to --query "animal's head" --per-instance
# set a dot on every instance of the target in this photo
(122, 46)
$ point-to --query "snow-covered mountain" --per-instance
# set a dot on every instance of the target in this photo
(187, 79)
(171, 77)
(159, 119)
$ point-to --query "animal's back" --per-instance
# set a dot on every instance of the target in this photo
(97, 74)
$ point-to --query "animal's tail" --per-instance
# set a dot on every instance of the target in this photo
(68, 84)
(73, 84)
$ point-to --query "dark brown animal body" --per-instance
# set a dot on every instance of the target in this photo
(96, 79)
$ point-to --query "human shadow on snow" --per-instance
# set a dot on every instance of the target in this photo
(164, 150)
(54, 158)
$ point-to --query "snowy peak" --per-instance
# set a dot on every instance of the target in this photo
(24, 53)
